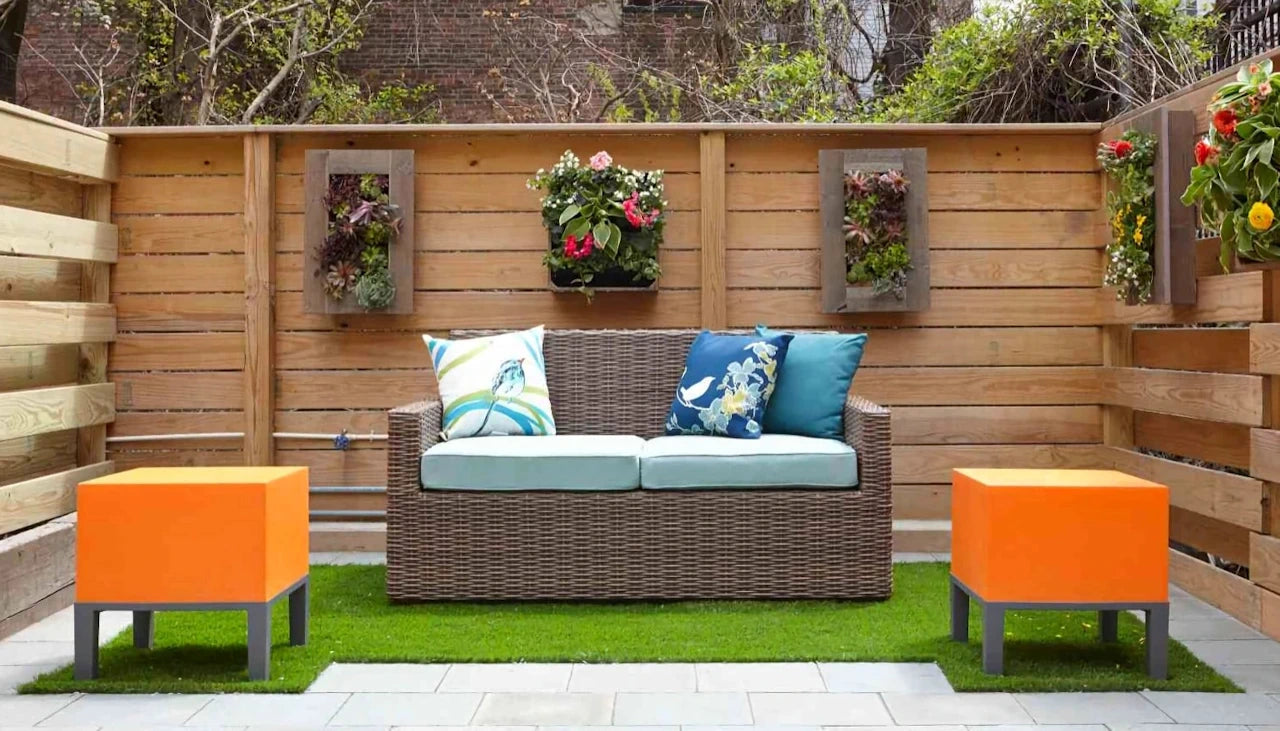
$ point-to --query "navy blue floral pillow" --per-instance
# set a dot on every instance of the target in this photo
(726, 385)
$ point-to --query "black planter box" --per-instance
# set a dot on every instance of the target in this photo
(612, 279)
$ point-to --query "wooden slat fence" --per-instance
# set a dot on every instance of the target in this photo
(57, 243)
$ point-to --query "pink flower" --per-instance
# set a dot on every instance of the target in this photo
(588, 245)
(601, 160)
(636, 217)
(571, 247)
(1264, 89)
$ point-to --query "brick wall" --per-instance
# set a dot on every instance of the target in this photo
(465, 47)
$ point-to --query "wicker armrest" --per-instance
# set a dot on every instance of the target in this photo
(866, 429)
(411, 429)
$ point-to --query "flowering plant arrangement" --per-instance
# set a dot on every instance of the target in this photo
(875, 230)
(362, 226)
(1131, 209)
(1235, 177)
(605, 222)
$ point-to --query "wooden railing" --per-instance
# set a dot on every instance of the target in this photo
(57, 244)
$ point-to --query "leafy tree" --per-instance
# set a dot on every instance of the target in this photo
(1054, 61)
(228, 61)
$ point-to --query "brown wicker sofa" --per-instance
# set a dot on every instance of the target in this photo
(637, 544)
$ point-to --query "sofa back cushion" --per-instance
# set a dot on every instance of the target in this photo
(611, 381)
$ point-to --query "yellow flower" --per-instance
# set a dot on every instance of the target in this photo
(1137, 236)
(1142, 220)
(1261, 216)
(734, 402)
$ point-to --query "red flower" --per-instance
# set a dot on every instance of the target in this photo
(571, 247)
(588, 244)
(1205, 152)
(630, 208)
(1224, 121)
(1122, 148)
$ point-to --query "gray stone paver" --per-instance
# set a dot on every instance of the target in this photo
(507, 678)
(884, 677)
(1223, 628)
(633, 677)
(1216, 708)
(948, 708)
(36, 653)
(678, 709)
(374, 709)
(1238, 652)
(569, 709)
(783, 677)
(823, 709)
(307, 709)
(1253, 678)
(128, 710)
(1090, 708)
(28, 710)
(1179, 727)
(379, 678)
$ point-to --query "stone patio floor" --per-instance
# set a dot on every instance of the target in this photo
(665, 697)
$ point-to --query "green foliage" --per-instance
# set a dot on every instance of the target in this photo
(175, 78)
(1131, 208)
(875, 231)
(375, 289)
(1236, 182)
(1053, 61)
(775, 83)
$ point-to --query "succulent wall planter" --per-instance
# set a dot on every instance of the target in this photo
(875, 238)
(358, 232)
(1160, 145)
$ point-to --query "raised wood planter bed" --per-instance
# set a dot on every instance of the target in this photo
(838, 296)
(397, 165)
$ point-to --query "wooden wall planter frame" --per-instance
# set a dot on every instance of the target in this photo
(1174, 265)
(397, 165)
(838, 296)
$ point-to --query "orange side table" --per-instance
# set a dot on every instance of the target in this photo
(1059, 539)
(192, 538)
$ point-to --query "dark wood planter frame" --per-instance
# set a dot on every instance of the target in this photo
(397, 165)
(837, 295)
(1174, 253)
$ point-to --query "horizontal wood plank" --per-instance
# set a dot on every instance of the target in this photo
(947, 308)
(1264, 348)
(37, 455)
(48, 280)
(33, 233)
(179, 273)
(222, 155)
(934, 463)
(35, 366)
(1230, 498)
(163, 423)
(1225, 298)
(163, 391)
(1215, 396)
(978, 386)
(947, 191)
(176, 352)
(1210, 441)
(947, 230)
(961, 425)
(180, 312)
(381, 389)
(970, 153)
(1234, 595)
(32, 501)
(1264, 561)
(1264, 454)
(1220, 350)
(200, 234)
(51, 146)
(199, 194)
(799, 268)
(53, 323)
(36, 411)
(22, 189)
(1221, 539)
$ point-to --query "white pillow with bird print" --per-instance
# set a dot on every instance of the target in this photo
(495, 385)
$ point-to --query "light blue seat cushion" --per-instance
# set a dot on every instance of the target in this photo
(560, 462)
(773, 460)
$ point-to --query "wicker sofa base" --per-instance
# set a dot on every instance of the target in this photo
(704, 544)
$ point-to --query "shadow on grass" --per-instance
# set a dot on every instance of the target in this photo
(352, 621)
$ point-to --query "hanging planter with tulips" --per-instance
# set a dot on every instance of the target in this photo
(1235, 177)
(604, 224)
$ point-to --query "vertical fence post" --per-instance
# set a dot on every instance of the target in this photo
(711, 174)
(95, 286)
(259, 282)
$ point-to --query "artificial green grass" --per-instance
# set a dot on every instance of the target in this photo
(352, 621)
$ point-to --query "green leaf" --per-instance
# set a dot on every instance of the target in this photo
(577, 227)
(1267, 178)
(601, 234)
(569, 213)
(1265, 150)
(615, 236)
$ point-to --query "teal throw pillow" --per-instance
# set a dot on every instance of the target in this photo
(726, 385)
(813, 383)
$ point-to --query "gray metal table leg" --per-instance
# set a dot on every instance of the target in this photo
(993, 639)
(144, 629)
(299, 613)
(1158, 641)
(1109, 624)
(86, 642)
(959, 613)
(260, 641)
